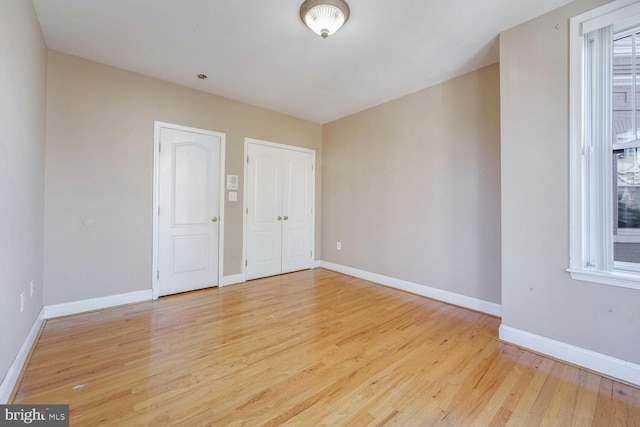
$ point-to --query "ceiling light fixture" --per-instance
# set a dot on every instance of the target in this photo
(324, 17)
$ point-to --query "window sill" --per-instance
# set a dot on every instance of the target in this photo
(617, 278)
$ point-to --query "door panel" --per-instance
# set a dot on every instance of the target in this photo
(191, 184)
(190, 254)
(296, 244)
(296, 189)
(265, 183)
(188, 201)
(266, 247)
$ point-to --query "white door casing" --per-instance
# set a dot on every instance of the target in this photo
(188, 209)
(279, 199)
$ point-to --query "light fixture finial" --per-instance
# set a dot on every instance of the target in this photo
(324, 17)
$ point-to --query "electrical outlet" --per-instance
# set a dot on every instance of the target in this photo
(31, 289)
(339, 246)
(21, 302)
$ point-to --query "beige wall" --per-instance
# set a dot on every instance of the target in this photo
(22, 140)
(538, 296)
(411, 188)
(100, 166)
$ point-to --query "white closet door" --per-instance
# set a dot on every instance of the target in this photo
(296, 207)
(279, 210)
(189, 174)
(264, 217)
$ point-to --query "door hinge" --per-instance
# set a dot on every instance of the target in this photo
(311, 254)
(158, 210)
(311, 168)
(247, 159)
(246, 263)
(159, 148)
(158, 274)
(247, 211)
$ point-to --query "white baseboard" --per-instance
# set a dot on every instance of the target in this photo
(233, 279)
(607, 365)
(75, 307)
(13, 374)
(317, 264)
(426, 291)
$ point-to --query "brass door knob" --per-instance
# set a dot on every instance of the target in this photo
(214, 219)
(286, 217)
(279, 218)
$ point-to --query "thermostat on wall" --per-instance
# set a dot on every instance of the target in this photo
(232, 182)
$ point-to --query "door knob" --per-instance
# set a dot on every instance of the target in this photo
(279, 218)
(286, 217)
(214, 219)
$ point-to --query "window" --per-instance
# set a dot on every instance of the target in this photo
(626, 143)
(605, 145)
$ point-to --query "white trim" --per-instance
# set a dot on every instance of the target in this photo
(631, 267)
(157, 125)
(576, 143)
(13, 374)
(222, 194)
(154, 212)
(278, 145)
(626, 238)
(245, 202)
(616, 278)
(75, 307)
(232, 280)
(598, 362)
(423, 290)
(616, 11)
(317, 264)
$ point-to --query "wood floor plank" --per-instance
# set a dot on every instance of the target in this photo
(314, 348)
(633, 397)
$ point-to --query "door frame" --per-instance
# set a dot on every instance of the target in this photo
(157, 125)
(247, 142)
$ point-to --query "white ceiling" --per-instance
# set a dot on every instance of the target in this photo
(260, 52)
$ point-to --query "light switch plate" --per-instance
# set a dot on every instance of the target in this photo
(233, 196)
(232, 182)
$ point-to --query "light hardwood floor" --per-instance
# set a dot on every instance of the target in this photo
(310, 348)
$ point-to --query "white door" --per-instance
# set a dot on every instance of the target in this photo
(279, 210)
(297, 225)
(264, 212)
(189, 207)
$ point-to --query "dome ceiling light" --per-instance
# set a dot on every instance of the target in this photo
(324, 17)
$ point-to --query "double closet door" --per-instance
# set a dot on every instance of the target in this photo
(279, 210)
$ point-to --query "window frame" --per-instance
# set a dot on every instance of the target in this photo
(588, 261)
